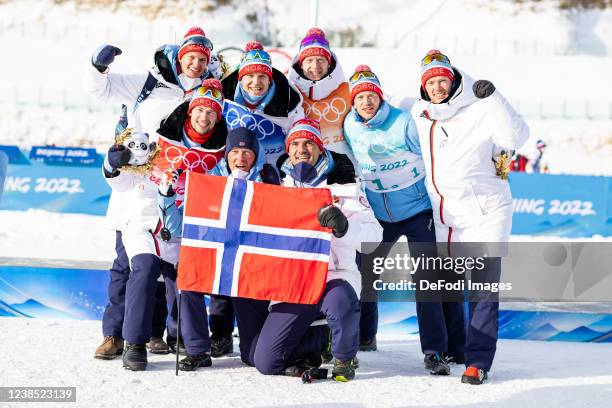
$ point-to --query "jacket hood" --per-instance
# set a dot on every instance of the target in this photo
(462, 96)
(340, 169)
(321, 88)
(166, 65)
(172, 128)
(286, 98)
(165, 60)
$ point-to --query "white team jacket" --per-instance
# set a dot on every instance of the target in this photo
(363, 227)
(317, 90)
(458, 140)
(125, 89)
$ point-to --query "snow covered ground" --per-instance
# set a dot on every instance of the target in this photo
(38, 352)
(82, 237)
(531, 66)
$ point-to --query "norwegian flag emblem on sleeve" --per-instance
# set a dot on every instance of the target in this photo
(253, 240)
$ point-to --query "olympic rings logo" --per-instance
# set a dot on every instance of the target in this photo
(190, 160)
(263, 128)
(376, 143)
(332, 111)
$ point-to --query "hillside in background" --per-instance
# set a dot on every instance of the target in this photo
(552, 63)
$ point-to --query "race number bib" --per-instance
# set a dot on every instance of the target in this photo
(394, 173)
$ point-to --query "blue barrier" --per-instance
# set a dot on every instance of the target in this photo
(44, 291)
(70, 180)
(3, 165)
(568, 206)
(73, 292)
(14, 154)
(57, 179)
(65, 155)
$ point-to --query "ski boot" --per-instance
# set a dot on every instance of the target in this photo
(222, 346)
(368, 345)
(343, 371)
(193, 362)
(135, 357)
(436, 364)
(474, 375)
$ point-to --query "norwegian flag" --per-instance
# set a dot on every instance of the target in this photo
(253, 240)
(174, 156)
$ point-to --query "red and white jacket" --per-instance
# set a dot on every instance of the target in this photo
(458, 140)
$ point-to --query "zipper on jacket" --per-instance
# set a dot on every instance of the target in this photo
(387, 207)
(433, 172)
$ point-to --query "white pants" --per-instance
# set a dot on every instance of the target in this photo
(493, 229)
(138, 241)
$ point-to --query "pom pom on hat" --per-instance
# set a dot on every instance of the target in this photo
(435, 64)
(314, 43)
(255, 60)
(253, 45)
(363, 68)
(212, 83)
(195, 41)
(194, 31)
(209, 95)
(362, 80)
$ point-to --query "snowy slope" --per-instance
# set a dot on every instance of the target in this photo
(525, 374)
(540, 69)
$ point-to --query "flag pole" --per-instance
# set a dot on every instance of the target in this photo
(178, 333)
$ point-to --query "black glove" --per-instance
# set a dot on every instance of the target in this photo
(333, 217)
(104, 56)
(118, 156)
(269, 175)
(483, 88)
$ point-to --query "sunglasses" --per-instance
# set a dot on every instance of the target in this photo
(201, 40)
(257, 55)
(214, 92)
(362, 74)
(435, 57)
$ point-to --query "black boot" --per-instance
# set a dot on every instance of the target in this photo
(368, 345)
(310, 360)
(452, 358)
(135, 357)
(221, 346)
(436, 364)
(171, 341)
(193, 362)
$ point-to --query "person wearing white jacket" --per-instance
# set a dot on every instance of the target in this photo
(465, 127)
(147, 98)
(287, 338)
(318, 75)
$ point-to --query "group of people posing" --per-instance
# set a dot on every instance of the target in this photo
(429, 174)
